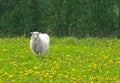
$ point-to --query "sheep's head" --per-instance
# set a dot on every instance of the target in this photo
(35, 35)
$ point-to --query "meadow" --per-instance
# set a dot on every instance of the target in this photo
(70, 60)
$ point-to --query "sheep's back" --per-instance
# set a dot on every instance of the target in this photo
(44, 41)
(45, 37)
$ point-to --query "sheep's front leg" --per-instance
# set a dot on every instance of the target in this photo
(41, 54)
(37, 54)
(47, 53)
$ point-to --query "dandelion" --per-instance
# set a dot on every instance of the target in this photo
(110, 61)
(13, 63)
(66, 76)
(27, 72)
(107, 72)
(5, 50)
(91, 82)
(94, 66)
(53, 72)
(37, 73)
(82, 52)
(35, 67)
(91, 78)
(73, 69)
(57, 66)
(6, 73)
(50, 76)
(73, 78)
(11, 76)
(100, 70)
(0, 59)
(60, 75)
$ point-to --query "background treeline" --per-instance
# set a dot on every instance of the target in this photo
(78, 18)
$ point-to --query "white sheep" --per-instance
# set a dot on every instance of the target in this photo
(39, 43)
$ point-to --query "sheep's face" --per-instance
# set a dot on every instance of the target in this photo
(35, 35)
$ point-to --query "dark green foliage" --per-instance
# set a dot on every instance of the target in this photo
(78, 18)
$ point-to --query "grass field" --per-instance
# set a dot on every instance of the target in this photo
(88, 60)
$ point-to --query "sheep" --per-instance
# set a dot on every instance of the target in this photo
(39, 43)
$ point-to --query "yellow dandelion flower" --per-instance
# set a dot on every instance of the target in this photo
(11, 76)
(91, 78)
(118, 81)
(67, 55)
(50, 77)
(37, 73)
(110, 61)
(57, 66)
(35, 67)
(60, 75)
(73, 69)
(100, 70)
(5, 50)
(94, 66)
(46, 74)
(107, 72)
(100, 78)
(26, 74)
(0, 59)
(30, 71)
(91, 82)
(82, 52)
(13, 62)
(6, 73)
(73, 78)
(66, 76)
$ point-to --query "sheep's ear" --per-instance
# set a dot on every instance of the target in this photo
(39, 32)
(31, 33)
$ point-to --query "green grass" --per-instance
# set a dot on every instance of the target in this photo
(88, 60)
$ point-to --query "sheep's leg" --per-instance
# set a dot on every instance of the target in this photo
(41, 54)
(47, 53)
(37, 54)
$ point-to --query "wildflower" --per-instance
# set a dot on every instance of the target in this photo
(13, 62)
(26, 74)
(73, 78)
(110, 61)
(107, 72)
(37, 73)
(73, 69)
(5, 50)
(94, 66)
(6, 73)
(30, 71)
(35, 67)
(91, 78)
(57, 66)
(0, 59)
(91, 82)
(60, 75)
(11, 76)
(50, 77)
(66, 76)
(100, 70)
(82, 52)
